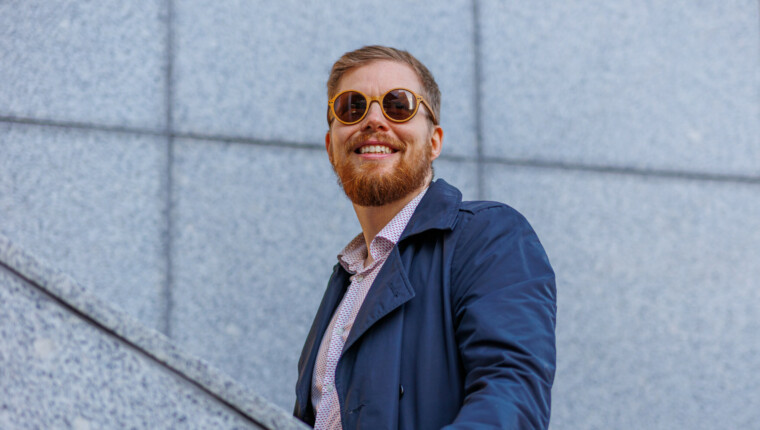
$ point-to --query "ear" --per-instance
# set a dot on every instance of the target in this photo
(436, 142)
(328, 142)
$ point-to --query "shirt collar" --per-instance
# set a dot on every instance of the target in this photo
(392, 231)
(386, 239)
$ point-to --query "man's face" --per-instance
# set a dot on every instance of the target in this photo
(379, 161)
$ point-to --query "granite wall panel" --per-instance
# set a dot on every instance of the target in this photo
(98, 62)
(258, 69)
(665, 85)
(91, 203)
(657, 326)
(256, 234)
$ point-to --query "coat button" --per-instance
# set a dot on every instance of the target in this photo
(400, 391)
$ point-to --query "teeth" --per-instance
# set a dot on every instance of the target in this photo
(374, 149)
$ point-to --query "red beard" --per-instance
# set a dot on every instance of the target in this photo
(365, 186)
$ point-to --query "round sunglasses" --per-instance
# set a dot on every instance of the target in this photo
(398, 105)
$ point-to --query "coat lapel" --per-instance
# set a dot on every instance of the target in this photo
(390, 290)
(336, 288)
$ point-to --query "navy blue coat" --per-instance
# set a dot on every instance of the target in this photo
(458, 327)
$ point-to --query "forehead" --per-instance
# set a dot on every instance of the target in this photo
(380, 76)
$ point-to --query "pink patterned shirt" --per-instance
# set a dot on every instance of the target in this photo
(323, 394)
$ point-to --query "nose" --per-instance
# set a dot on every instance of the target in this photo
(375, 120)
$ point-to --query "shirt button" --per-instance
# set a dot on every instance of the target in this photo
(328, 388)
(358, 278)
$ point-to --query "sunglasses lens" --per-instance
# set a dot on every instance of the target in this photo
(399, 105)
(350, 106)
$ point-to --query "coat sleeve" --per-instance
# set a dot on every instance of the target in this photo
(504, 303)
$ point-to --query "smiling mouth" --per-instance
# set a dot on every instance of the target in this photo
(374, 149)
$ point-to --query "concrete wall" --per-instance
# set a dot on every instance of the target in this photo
(169, 155)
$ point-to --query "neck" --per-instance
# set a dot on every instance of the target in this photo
(374, 218)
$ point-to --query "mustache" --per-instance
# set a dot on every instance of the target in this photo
(359, 140)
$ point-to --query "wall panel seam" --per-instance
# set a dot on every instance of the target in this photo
(484, 160)
(82, 126)
(636, 171)
(477, 73)
(167, 298)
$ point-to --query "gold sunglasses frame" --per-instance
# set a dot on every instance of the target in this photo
(379, 100)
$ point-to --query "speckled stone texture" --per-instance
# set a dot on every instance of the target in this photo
(68, 360)
(253, 254)
(657, 296)
(660, 85)
(100, 62)
(220, 226)
(93, 204)
(254, 69)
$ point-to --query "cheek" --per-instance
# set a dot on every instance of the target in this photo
(419, 143)
(340, 139)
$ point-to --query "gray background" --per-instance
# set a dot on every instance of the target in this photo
(170, 156)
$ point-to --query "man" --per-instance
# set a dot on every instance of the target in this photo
(441, 311)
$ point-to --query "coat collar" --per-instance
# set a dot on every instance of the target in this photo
(438, 210)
